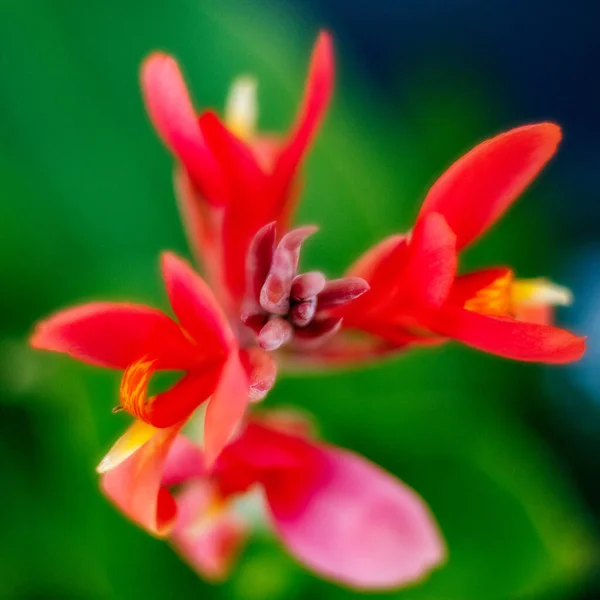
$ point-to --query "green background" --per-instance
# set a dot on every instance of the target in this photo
(87, 205)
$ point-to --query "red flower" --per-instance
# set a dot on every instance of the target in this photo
(416, 295)
(337, 513)
(141, 340)
(230, 180)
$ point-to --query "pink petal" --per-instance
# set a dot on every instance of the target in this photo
(210, 543)
(173, 116)
(116, 335)
(135, 484)
(354, 523)
(226, 408)
(508, 337)
(185, 461)
(476, 190)
(196, 307)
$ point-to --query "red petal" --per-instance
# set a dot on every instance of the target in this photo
(246, 186)
(173, 116)
(226, 408)
(184, 397)
(135, 484)
(116, 335)
(508, 337)
(466, 286)
(196, 307)
(350, 521)
(476, 190)
(317, 94)
(430, 264)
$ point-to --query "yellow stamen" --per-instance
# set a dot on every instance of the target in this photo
(494, 299)
(539, 292)
(134, 388)
(241, 107)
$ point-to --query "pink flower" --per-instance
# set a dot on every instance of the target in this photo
(336, 512)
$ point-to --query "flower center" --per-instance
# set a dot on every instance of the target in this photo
(282, 305)
(507, 295)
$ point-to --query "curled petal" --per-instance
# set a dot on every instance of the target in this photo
(476, 190)
(275, 334)
(134, 485)
(302, 313)
(352, 522)
(226, 408)
(116, 335)
(261, 369)
(275, 294)
(172, 113)
(196, 308)
(258, 264)
(133, 439)
(208, 538)
(341, 291)
(508, 337)
(307, 285)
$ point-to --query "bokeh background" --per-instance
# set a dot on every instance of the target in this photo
(506, 454)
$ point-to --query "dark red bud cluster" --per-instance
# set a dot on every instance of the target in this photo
(282, 305)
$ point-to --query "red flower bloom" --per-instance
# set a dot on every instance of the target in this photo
(231, 181)
(337, 513)
(141, 340)
(416, 295)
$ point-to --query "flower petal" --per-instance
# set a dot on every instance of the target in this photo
(196, 307)
(317, 94)
(431, 262)
(354, 523)
(116, 335)
(476, 190)
(508, 337)
(210, 543)
(184, 397)
(466, 286)
(173, 116)
(226, 408)
(185, 461)
(135, 487)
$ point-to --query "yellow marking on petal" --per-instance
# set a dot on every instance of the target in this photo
(494, 299)
(135, 437)
(540, 291)
(241, 108)
(134, 388)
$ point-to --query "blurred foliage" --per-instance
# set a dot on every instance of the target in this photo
(88, 205)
